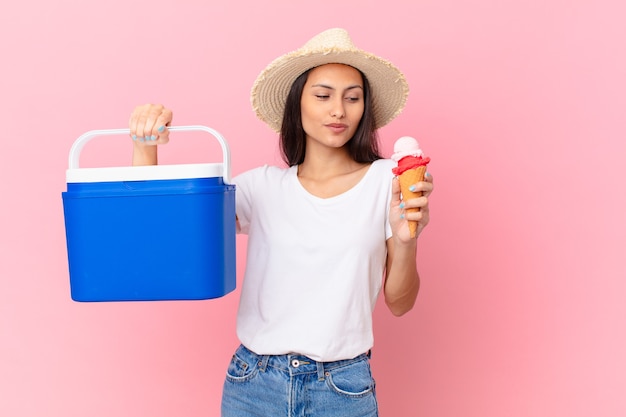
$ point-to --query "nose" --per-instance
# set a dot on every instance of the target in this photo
(338, 110)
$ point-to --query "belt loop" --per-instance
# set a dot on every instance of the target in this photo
(263, 362)
(320, 370)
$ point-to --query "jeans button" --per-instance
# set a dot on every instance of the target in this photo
(295, 363)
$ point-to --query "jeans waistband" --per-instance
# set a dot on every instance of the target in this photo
(299, 364)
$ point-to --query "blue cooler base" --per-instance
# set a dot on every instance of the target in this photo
(150, 240)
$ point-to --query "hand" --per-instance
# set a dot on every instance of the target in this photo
(399, 217)
(148, 125)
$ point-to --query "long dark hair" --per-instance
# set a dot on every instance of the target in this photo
(362, 147)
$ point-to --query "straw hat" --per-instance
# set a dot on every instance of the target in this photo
(334, 46)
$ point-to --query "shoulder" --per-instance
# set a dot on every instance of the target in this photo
(379, 176)
(261, 174)
(384, 165)
(381, 168)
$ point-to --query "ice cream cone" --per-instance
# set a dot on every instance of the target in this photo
(408, 178)
(410, 170)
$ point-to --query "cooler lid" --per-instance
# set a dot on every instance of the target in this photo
(144, 173)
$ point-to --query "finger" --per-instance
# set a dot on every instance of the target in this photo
(414, 215)
(420, 203)
(138, 122)
(395, 191)
(162, 122)
(425, 187)
(430, 180)
(417, 209)
(149, 118)
(133, 122)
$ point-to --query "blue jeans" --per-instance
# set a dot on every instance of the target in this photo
(297, 386)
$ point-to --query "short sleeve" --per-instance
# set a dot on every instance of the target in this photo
(243, 198)
(387, 184)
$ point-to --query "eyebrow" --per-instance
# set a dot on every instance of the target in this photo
(332, 88)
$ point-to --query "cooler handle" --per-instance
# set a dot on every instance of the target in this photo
(78, 145)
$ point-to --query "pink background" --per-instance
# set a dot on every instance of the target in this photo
(520, 104)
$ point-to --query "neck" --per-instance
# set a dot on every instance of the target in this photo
(327, 162)
(326, 176)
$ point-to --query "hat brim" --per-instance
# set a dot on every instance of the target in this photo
(389, 87)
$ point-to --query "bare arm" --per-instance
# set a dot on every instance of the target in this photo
(402, 281)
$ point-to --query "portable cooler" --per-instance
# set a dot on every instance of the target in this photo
(163, 232)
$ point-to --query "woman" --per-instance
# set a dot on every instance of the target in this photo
(322, 232)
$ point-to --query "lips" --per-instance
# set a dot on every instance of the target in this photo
(337, 127)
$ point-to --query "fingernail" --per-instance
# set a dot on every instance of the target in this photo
(152, 137)
(427, 174)
(134, 137)
(161, 129)
(402, 216)
(402, 205)
(412, 188)
(141, 139)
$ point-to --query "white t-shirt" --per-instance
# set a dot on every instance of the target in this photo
(314, 266)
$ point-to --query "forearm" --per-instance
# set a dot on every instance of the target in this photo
(144, 155)
(402, 280)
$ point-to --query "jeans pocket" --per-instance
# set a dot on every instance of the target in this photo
(241, 370)
(354, 380)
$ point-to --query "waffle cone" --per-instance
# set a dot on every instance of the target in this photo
(408, 178)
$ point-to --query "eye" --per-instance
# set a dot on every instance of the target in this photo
(353, 99)
(322, 96)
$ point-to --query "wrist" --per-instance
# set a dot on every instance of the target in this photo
(144, 155)
(408, 246)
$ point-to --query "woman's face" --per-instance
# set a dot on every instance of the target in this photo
(332, 104)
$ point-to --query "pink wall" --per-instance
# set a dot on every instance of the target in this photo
(521, 106)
